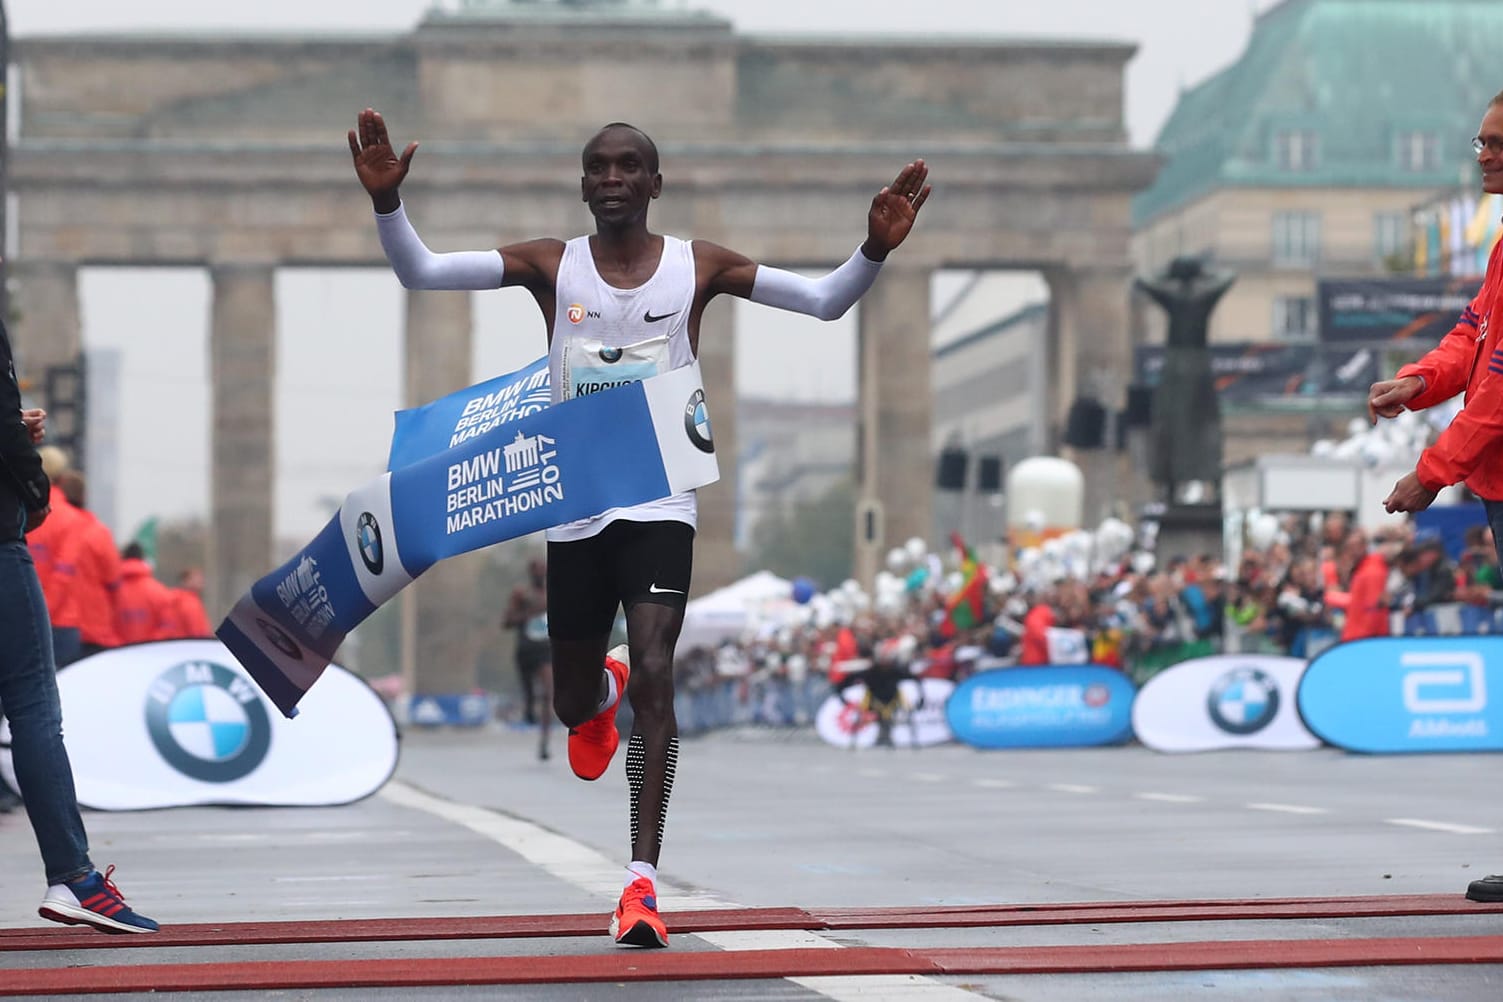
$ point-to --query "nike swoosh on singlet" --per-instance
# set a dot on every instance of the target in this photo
(653, 588)
(652, 319)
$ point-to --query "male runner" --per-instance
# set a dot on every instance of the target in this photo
(621, 304)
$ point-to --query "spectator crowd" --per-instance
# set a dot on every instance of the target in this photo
(98, 595)
(1315, 582)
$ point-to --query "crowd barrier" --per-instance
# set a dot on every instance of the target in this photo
(1399, 694)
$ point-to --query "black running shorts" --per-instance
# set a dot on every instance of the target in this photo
(626, 563)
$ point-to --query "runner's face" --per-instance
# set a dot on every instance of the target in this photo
(1491, 162)
(618, 181)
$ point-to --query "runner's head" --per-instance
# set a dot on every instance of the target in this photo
(620, 174)
(1490, 140)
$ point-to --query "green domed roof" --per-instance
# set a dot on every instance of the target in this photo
(1361, 85)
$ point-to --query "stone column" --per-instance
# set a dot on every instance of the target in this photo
(895, 497)
(716, 562)
(446, 612)
(46, 330)
(1094, 307)
(243, 367)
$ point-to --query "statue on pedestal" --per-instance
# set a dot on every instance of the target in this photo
(1185, 434)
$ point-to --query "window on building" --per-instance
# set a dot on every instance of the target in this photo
(1296, 238)
(1295, 149)
(1390, 235)
(1418, 151)
(1294, 318)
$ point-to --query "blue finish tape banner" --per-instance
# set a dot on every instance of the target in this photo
(451, 421)
(1054, 707)
(518, 473)
(1407, 694)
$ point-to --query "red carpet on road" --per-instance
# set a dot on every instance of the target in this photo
(719, 965)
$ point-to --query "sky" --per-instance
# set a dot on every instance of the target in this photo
(161, 471)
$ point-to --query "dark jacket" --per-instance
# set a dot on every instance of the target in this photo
(23, 485)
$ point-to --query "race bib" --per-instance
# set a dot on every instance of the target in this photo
(590, 366)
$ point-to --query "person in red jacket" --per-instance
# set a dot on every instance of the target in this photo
(54, 548)
(1367, 613)
(98, 572)
(1469, 359)
(190, 618)
(144, 607)
(1036, 626)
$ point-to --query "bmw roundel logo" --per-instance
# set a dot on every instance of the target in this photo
(368, 541)
(279, 639)
(207, 721)
(610, 354)
(1243, 701)
(697, 422)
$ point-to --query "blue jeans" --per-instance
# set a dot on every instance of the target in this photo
(1494, 511)
(28, 693)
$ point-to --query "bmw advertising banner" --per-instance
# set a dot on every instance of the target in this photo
(1051, 707)
(844, 723)
(178, 723)
(1407, 694)
(519, 472)
(1226, 701)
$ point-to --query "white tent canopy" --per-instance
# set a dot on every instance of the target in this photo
(728, 612)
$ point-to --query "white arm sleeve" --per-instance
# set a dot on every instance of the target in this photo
(417, 267)
(826, 298)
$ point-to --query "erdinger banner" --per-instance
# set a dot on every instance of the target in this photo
(623, 446)
(1050, 707)
(1226, 701)
(1407, 694)
(178, 724)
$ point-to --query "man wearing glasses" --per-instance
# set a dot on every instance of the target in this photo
(1468, 359)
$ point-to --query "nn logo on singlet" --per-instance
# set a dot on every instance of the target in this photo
(577, 313)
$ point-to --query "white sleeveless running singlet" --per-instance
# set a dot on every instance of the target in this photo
(605, 337)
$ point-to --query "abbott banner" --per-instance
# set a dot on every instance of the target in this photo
(1407, 694)
(178, 724)
(494, 465)
(1227, 701)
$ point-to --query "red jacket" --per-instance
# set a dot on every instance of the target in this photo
(54, 550)
(144, 607)
(1469, 359)
(1366, 614)
(189, 617)
(1036, 626)
(98, 579)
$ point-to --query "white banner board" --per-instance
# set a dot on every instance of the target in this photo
(179, 723)
(1226, 701)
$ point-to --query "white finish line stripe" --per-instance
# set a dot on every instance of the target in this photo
(1288, 808)
(1170, 798)
(1074, 788)
(1440, 826)
(578, 864)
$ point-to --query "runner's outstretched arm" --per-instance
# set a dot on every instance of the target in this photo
(381, 172)
(888, 223)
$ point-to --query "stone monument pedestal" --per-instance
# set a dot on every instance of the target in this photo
(1188, 529)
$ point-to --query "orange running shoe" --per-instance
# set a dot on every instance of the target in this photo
(636, 922)
(593, 743)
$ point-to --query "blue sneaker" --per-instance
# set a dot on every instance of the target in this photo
(95, 901)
